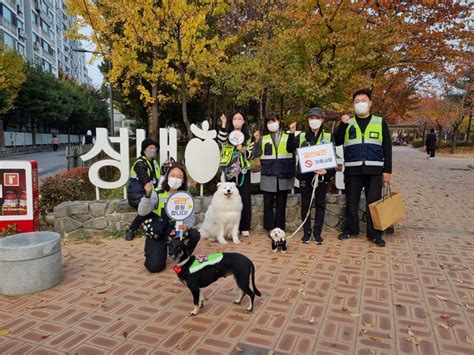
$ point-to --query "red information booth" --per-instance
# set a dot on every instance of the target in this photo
(19, 203)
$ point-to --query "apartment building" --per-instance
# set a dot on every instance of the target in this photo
(37, 30)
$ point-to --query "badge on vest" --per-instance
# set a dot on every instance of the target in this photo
(374, 135)
(352, 133)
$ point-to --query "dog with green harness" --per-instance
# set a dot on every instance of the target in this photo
(198, 272)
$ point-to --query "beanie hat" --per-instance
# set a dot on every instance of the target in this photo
(147, 142)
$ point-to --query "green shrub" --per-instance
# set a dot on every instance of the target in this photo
(71, 185)
(417, 143)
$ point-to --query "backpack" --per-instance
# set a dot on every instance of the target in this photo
(135, 192)
(233, 169)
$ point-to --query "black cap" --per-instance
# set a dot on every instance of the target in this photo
(147, 142)
(316, 111)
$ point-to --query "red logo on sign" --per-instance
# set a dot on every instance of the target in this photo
(308, 163)
(11, 179)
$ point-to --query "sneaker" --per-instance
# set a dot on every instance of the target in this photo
(379, 242)
(343, 236)
(129, 235)
(305, 239)
(318, 240)
(245, 233)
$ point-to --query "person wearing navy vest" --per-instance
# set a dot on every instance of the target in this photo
(145, 169)
(367, 162)
(313, 135)
(157, 225)
(277, 175)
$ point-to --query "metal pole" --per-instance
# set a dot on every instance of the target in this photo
(112, 130)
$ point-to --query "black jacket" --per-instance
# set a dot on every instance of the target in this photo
(430, 141)
(141, 168)
(293, 143)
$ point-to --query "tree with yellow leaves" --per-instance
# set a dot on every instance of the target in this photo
(12, 75)
(155, 46)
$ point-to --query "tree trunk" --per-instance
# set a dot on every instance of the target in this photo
(2, 135)
(184, 102)
(453, 140)
(153, 119)
(260, 111)
(468, 132)
(33, 132)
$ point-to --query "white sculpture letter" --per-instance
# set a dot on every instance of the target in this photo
(119, 160)
(202, 155)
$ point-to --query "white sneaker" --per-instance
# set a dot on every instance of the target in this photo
(245, 233)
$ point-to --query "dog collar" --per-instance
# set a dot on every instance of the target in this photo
(183, 262)
(177, 269)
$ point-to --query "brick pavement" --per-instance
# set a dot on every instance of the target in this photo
(414, 296)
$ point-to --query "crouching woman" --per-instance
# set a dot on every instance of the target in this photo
(158, 227)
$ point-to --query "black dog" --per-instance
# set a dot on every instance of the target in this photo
(198, 272)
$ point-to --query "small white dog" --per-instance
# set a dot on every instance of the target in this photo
(223, 215)
(278, 238)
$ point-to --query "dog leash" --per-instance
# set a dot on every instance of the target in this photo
(314, 183)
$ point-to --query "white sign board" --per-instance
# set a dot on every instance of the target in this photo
(179, 206)
(316, 157)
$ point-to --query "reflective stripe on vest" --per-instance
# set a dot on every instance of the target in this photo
(133, 173)
(363, 149)
(227, 153)
(281, 152)
(325, 137)
(162, 199)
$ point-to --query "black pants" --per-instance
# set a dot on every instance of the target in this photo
(137, 223)
(320, 206)
(246, 196)
(372, 185)
(431, 153)
(55, 147)
(156, 250)
(275, 219)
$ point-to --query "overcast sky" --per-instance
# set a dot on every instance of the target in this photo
(92, 68)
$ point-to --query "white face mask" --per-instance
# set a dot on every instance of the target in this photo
(315, 123)
(361, 108)
(175, 183)
(274, 126)
(238, 124)
(150, 154)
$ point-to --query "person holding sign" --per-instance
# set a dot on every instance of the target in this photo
(236, 161)
(278, 172)
(367, 162)
(314, 135)
(158, 226)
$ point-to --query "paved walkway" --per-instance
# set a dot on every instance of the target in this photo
(414, 296)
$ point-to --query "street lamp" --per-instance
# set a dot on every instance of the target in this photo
(112, 123)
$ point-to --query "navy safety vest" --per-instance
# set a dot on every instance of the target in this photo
(363, 149)
(277, 161)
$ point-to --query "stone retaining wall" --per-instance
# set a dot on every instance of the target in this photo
(89, 218)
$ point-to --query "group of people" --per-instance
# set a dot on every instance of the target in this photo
(367, 159)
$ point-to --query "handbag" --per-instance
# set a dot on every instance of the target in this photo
(388, 210)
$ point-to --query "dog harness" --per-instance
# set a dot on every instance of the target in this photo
(202, 261)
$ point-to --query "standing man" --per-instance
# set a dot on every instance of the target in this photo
(367, 162)
(430, 144)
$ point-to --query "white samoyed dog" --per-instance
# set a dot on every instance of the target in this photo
(223, 215)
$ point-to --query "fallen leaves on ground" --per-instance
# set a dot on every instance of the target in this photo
(4, 332)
